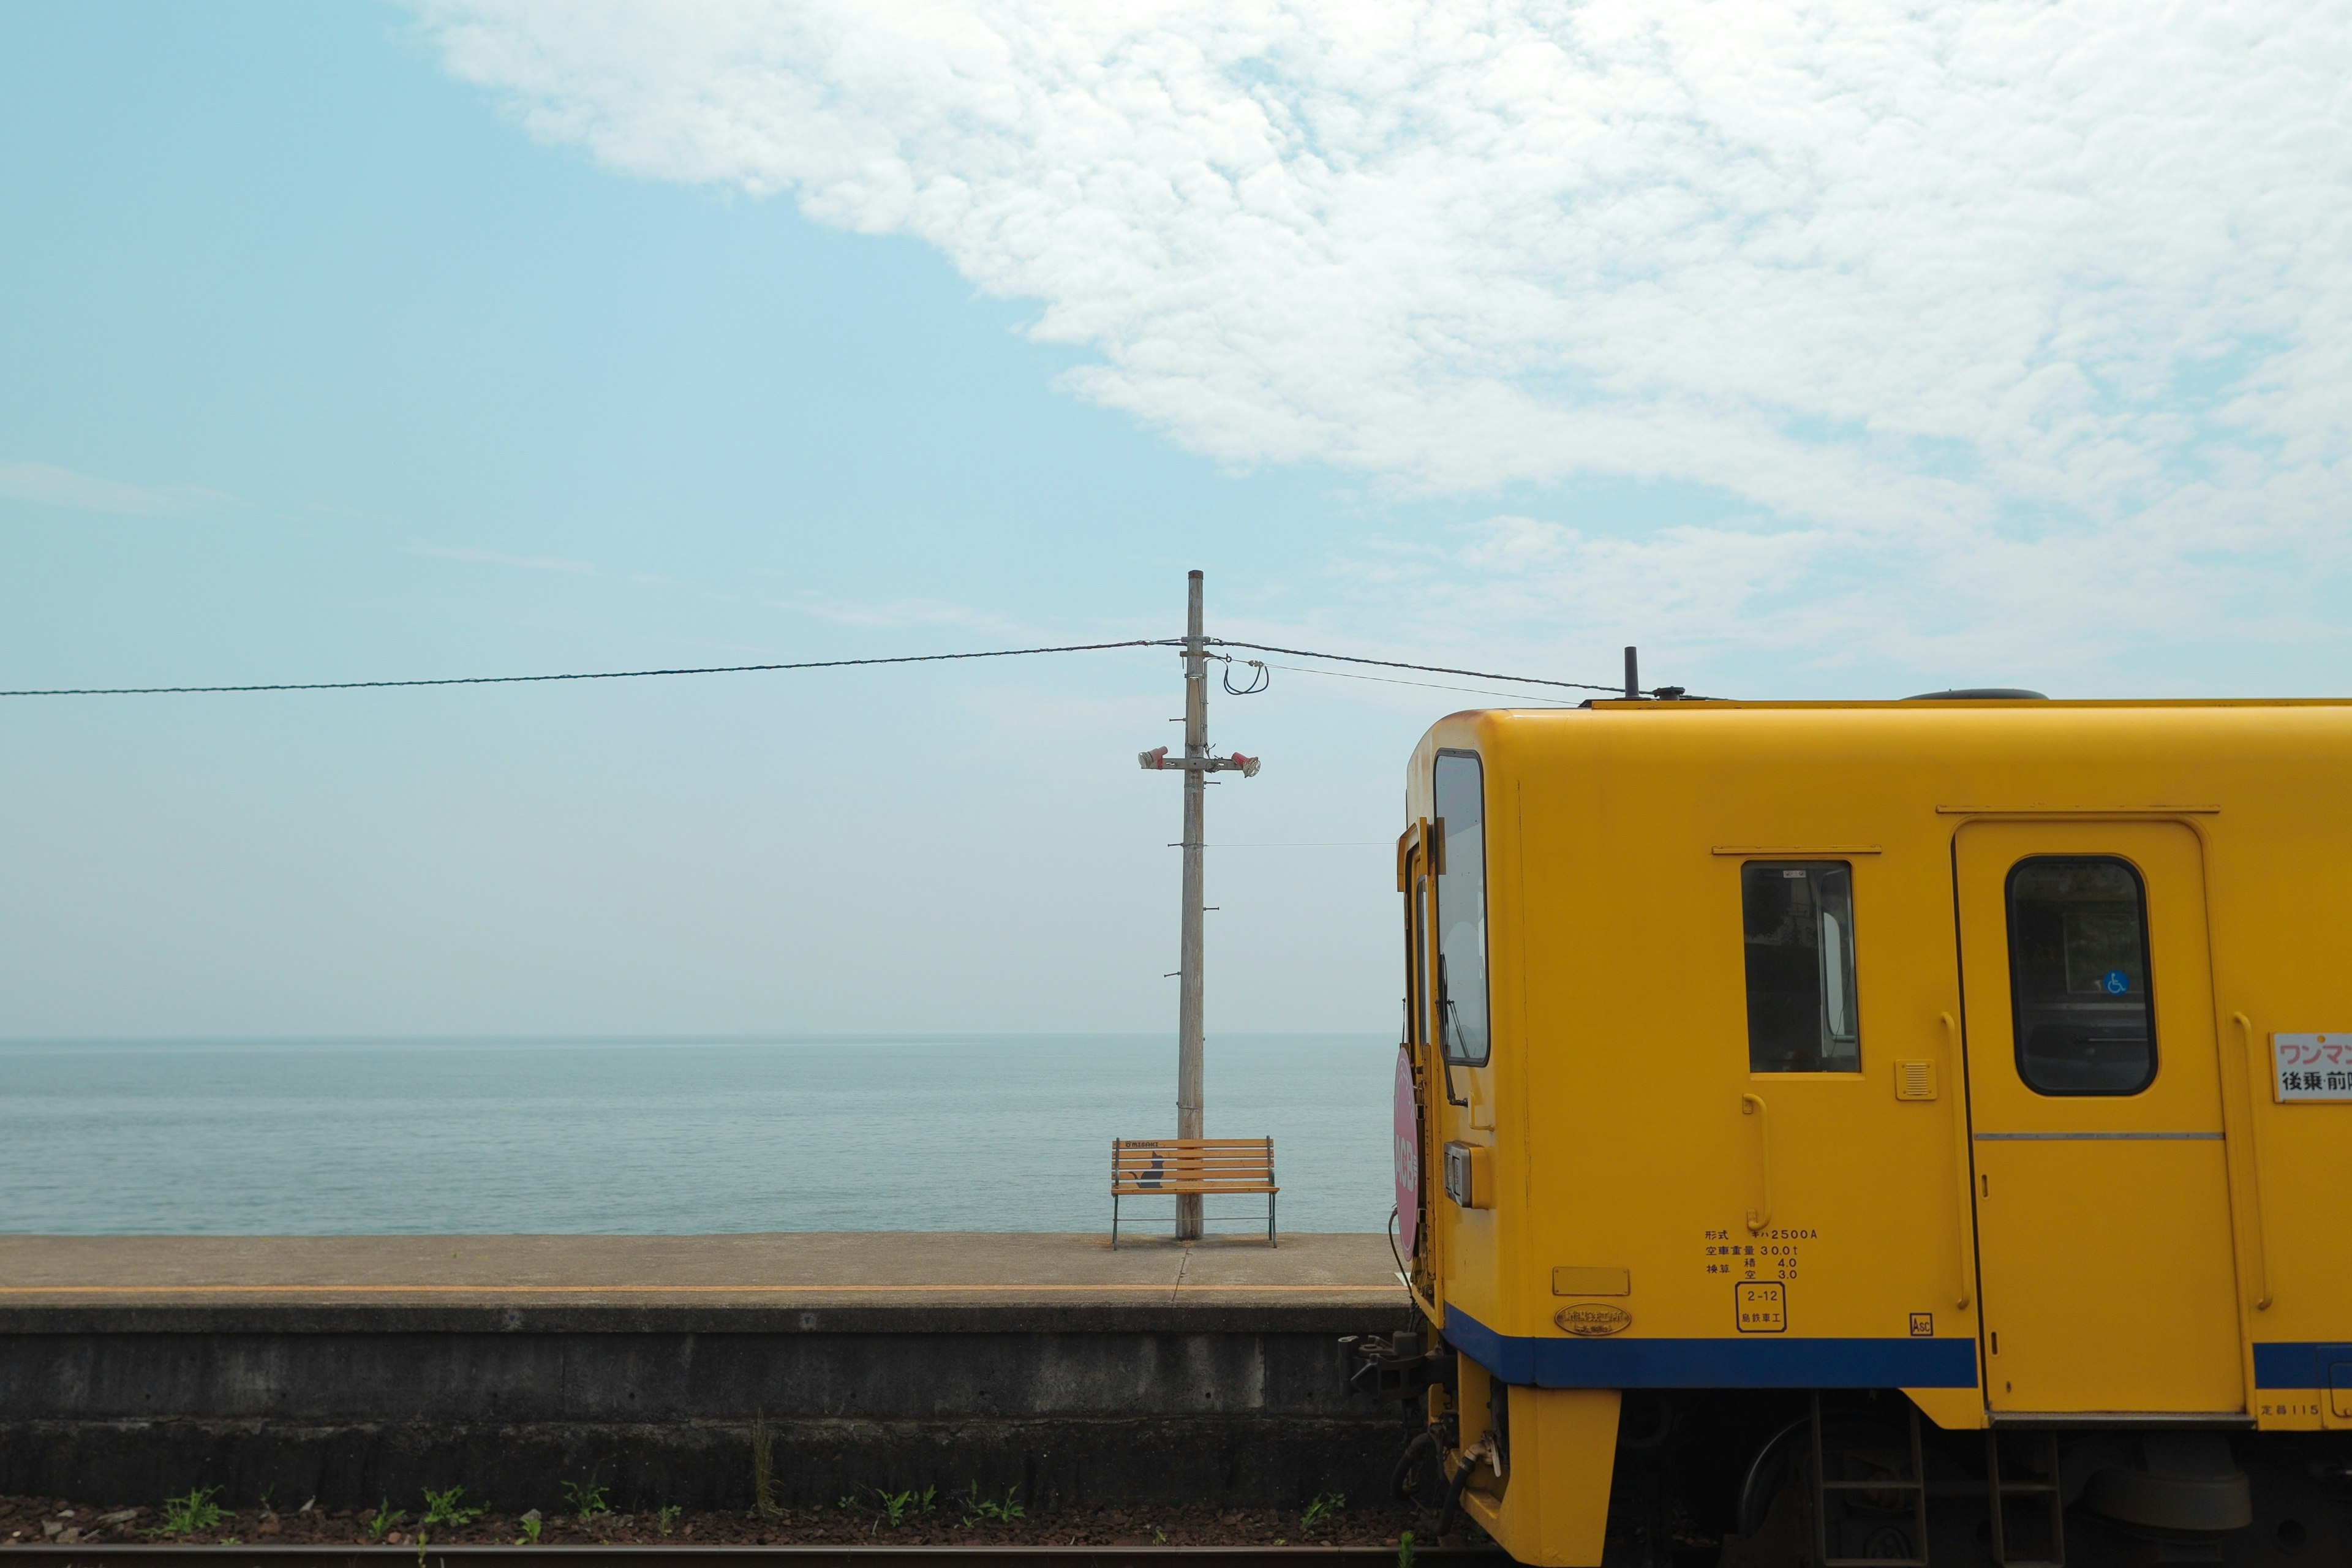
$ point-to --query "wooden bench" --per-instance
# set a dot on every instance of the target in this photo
(1208, 1167)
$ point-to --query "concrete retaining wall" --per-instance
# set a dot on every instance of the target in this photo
(1243, 1406)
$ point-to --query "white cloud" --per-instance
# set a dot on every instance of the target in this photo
(44, 485)
(1966, 290)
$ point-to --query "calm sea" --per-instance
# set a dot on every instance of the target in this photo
(963, 1132)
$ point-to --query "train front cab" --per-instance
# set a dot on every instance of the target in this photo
(1772, 1072)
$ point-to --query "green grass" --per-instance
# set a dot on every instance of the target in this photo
(764, 1467)
(444, 1508)
(897, 1508)
(187, 1514)
(586, 1498)
(1324, 1510)
(980, 1509)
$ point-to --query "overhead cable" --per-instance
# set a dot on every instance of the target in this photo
(1258, 680)
(590, 675)
(1431, 668)
(1422, 685)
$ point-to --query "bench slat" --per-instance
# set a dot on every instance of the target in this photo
(1164, 1178)
(1208, 1167)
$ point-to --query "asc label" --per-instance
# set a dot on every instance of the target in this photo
(2311, 1066)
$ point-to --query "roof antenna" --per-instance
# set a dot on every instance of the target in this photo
(1632, 675)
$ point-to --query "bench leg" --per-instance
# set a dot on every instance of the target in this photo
(1114, 1222)
(1269, 1221)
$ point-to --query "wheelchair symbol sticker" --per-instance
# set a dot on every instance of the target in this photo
(2115, 983)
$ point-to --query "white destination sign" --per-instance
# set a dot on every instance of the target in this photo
(2311, 1066)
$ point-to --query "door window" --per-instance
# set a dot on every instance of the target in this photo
(1799, 922)
(1411, 878)
(2078, 976)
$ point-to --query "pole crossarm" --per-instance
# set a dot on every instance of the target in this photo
(1157, 759)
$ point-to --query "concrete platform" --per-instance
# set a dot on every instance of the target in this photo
(837, 1267)
(350, 1368)
(914, 1280)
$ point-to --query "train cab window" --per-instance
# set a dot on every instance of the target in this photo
(2078, 976)
(1798, 919)
(1461, 908)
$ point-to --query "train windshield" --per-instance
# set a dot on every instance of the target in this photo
(1462, 908)
(1799, 919)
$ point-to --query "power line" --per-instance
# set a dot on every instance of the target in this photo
(590, 675)
(821, 664)
(1428, 668)
(1392, 680)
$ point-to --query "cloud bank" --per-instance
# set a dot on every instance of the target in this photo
(1988, 292)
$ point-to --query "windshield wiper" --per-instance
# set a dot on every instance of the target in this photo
(1446, 1020)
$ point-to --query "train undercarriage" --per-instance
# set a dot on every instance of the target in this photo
(1858, 1478)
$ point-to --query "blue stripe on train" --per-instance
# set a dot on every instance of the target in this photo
(1752, 1361)
(2300, 1364)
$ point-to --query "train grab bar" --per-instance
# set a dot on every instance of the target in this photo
(2261, 1269)
(1953, 1071)
(1753, 1105)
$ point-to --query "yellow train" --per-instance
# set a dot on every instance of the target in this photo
(1879, 1133)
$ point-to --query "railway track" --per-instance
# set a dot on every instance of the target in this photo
(103, 1555)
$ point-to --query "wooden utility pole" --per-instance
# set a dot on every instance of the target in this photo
(1197, 765)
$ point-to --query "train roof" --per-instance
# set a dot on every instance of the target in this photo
(2210, 734)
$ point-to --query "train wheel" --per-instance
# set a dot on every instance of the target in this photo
(1778, 1497)
(1782, 1463)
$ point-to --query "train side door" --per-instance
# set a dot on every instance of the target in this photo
(1412, 1153)
(2103, 1204)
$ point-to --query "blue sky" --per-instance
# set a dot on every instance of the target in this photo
(357, 341)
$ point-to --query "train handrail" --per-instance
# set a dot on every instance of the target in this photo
(2253, 1163)
(1956, 1070)
(1753, 1105)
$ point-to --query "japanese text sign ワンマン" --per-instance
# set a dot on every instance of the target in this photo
(2311, 1066)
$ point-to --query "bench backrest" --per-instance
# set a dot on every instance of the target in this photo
(1199, 1164)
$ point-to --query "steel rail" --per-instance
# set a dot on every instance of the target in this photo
(102, 1554)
